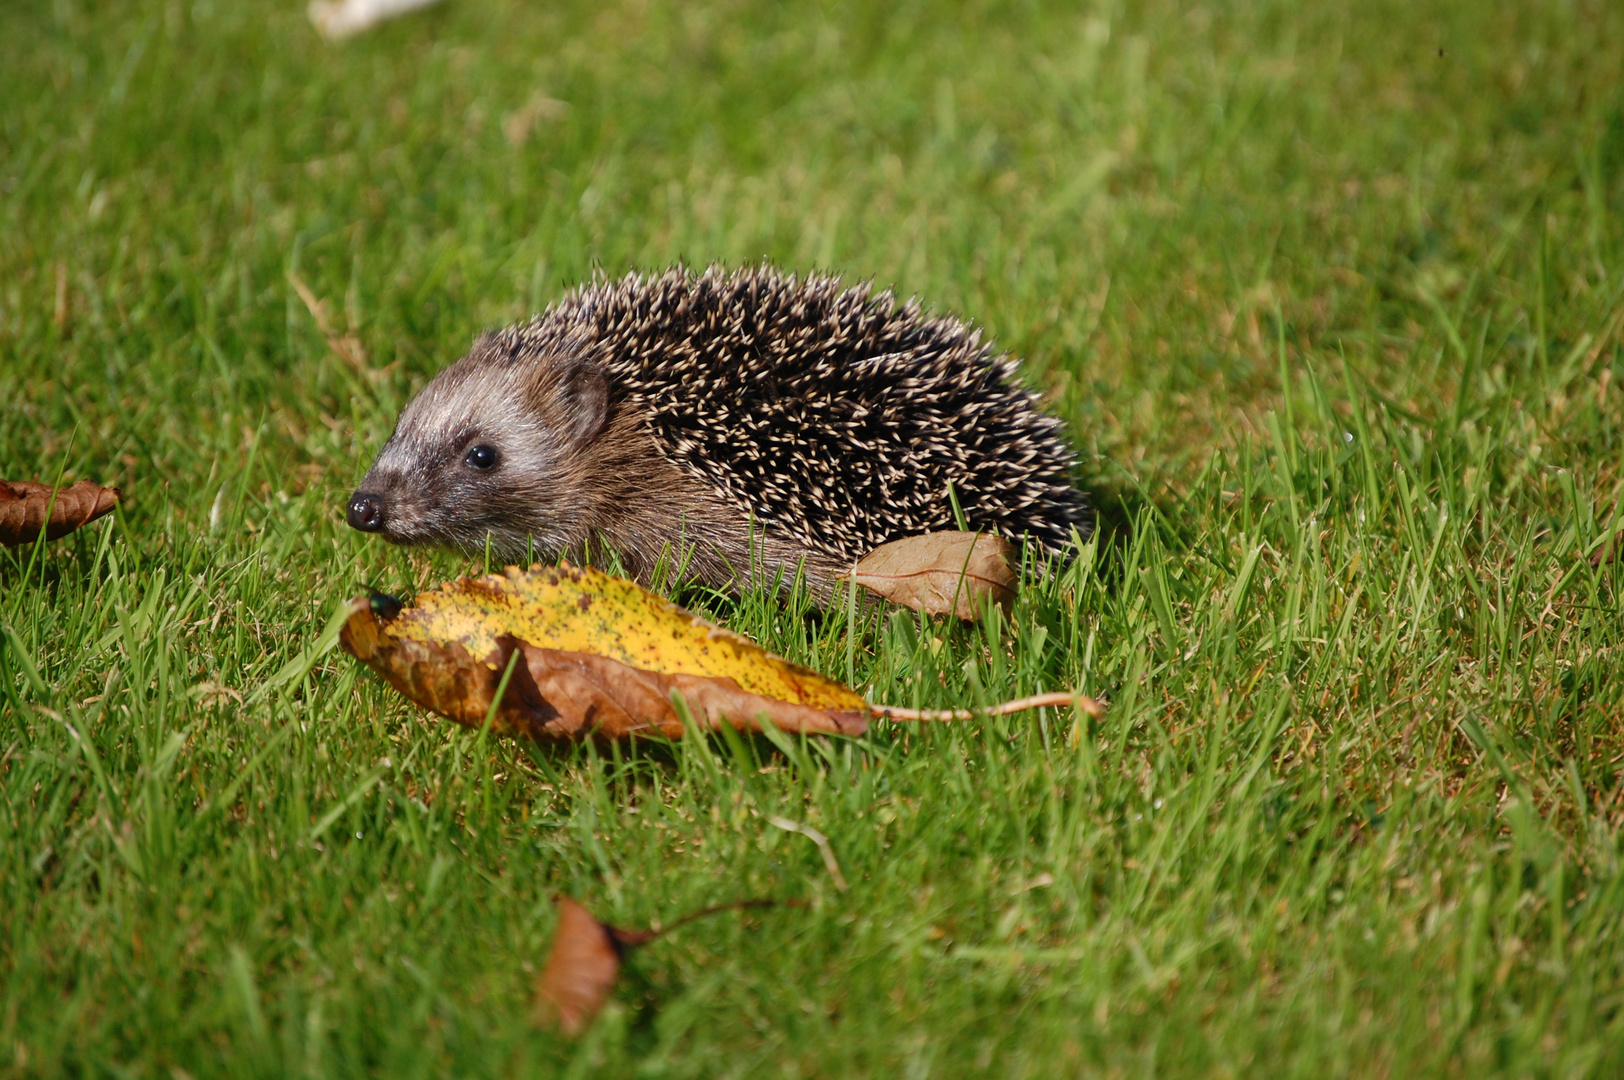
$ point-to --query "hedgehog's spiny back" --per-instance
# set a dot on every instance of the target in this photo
(837, 416)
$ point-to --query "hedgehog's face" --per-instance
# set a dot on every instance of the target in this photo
(488, 454)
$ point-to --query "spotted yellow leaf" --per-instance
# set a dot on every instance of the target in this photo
(601, 656)
(587, 611)
(563, 653)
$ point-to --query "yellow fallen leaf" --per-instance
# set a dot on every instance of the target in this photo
(583, 654)
(600, 655)
(583, 610)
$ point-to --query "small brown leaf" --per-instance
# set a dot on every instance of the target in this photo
(28, 508)
(585, 960)
(941, 573)
(581, 969)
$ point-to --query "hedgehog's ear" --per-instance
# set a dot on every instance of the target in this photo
(580, 401)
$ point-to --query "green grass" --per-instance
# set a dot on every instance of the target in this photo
(1329, 295)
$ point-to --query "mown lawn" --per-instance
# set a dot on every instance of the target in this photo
(1330, 297)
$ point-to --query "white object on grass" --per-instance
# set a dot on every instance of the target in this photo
(342, 18)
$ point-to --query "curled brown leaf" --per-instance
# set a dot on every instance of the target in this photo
(28, 508)
(585, 960)
(581, 969)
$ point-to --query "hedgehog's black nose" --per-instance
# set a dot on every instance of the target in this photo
(366, 511)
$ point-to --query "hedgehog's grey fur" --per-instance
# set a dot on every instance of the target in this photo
(747, 419)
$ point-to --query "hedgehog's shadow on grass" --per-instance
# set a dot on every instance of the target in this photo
(624, 765)
(65, 561)
(1116, 509)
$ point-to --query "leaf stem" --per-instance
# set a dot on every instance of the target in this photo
(1036, 701)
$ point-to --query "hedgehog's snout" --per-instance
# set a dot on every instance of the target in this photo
(366, 512)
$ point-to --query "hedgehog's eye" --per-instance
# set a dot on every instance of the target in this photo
(480, 457)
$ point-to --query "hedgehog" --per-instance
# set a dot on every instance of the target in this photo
(724, 427)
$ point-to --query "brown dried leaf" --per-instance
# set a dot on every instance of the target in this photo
(598, 657)
(581, 969)
(585, 960)
(24, 506)
(941, 573)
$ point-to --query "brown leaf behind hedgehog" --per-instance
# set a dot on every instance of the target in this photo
(742, 425)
